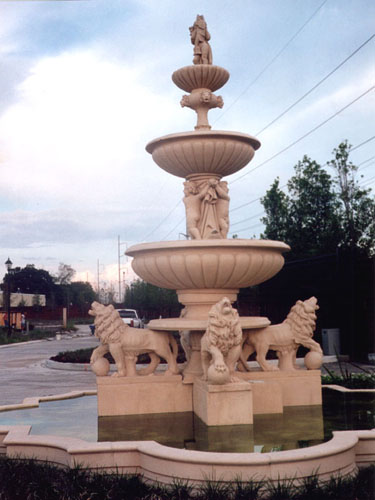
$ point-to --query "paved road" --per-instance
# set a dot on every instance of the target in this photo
(22, 373)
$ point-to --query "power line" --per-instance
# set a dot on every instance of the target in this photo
(246, 228)
(172, 230)
(248, 218)
(271, 62)
(315, 86)
(165, 218)
(285, 185)
(363, 143)
(307, 134)
(368, 181)
(363, 162)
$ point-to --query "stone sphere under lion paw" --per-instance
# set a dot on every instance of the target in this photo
(101, 367)
(218, 377)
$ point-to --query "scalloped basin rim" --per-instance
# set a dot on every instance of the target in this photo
(212, 134)
(209, 244)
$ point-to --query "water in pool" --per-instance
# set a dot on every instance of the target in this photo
(297, 427)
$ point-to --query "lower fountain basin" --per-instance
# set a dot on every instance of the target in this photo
(208, 264)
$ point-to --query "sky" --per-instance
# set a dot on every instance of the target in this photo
(86, 84)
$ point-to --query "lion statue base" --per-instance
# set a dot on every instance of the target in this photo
(221, 344)
(126, 343)
(285, 338)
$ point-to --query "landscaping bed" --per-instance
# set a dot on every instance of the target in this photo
(29, 479)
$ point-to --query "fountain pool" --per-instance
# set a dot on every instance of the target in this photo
(297, 427)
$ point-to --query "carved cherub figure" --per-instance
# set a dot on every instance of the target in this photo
(193, 201)
(222, 207)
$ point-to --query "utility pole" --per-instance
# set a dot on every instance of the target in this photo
(119, 264)
(98, 278)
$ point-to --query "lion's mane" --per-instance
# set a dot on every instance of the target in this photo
(301, 320)
(109, 327)
(223, 330)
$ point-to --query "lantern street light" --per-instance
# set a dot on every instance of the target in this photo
(8, 265)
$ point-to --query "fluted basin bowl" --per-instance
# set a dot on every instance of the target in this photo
(203, 152)
(207, 264)
(207, 76)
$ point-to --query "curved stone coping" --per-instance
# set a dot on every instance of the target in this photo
(340, 388)
(33, 402)
(206, 134)
(172, 324)
(207, 244)
(341, 455)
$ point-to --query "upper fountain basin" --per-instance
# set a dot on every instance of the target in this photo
(200, 76)
(207, 264)
(203, 152)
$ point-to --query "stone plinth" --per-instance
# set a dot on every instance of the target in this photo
(274, 390)
(143, 395)
(228, 404)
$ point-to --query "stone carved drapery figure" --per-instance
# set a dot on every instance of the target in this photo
(221, 344)
(200, 36)
(207, 209)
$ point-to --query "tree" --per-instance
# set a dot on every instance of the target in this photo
(151, 301)
(308, 217)
(321, 213)
(358, 208)
(65, 274)
(275, 204)
(81, 295)
(32, 280)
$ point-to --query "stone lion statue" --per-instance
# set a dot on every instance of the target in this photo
(285, 338)
(221, 343)
(126, 343)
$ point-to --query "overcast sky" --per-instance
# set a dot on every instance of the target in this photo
(84, 85)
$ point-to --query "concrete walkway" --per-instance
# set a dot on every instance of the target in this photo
(23, 374)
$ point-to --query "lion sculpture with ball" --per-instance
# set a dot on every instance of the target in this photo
(285, 338)
(221, 343)
(126, 343)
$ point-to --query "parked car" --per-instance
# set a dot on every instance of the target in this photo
(130, 317)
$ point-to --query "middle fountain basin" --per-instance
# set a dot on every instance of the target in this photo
(204, 271)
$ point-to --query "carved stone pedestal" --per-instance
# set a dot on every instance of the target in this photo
(229, 404)
(143, 395)
(272, 391)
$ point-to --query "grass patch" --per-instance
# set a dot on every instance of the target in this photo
(18, 337)
(28, 479)
(346, 378)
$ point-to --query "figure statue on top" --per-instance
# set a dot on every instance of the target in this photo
(199, 36)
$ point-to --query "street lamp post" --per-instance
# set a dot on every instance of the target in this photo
(8, 265)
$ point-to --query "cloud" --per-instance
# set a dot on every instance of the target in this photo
(78, 131)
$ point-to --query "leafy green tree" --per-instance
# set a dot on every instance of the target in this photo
(358, 207)
(32, 280)
(151, 301)
(321, 213)
(275, 204)
(308, 218)
(81, 294)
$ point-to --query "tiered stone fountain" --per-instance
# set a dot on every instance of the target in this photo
(206, 268)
